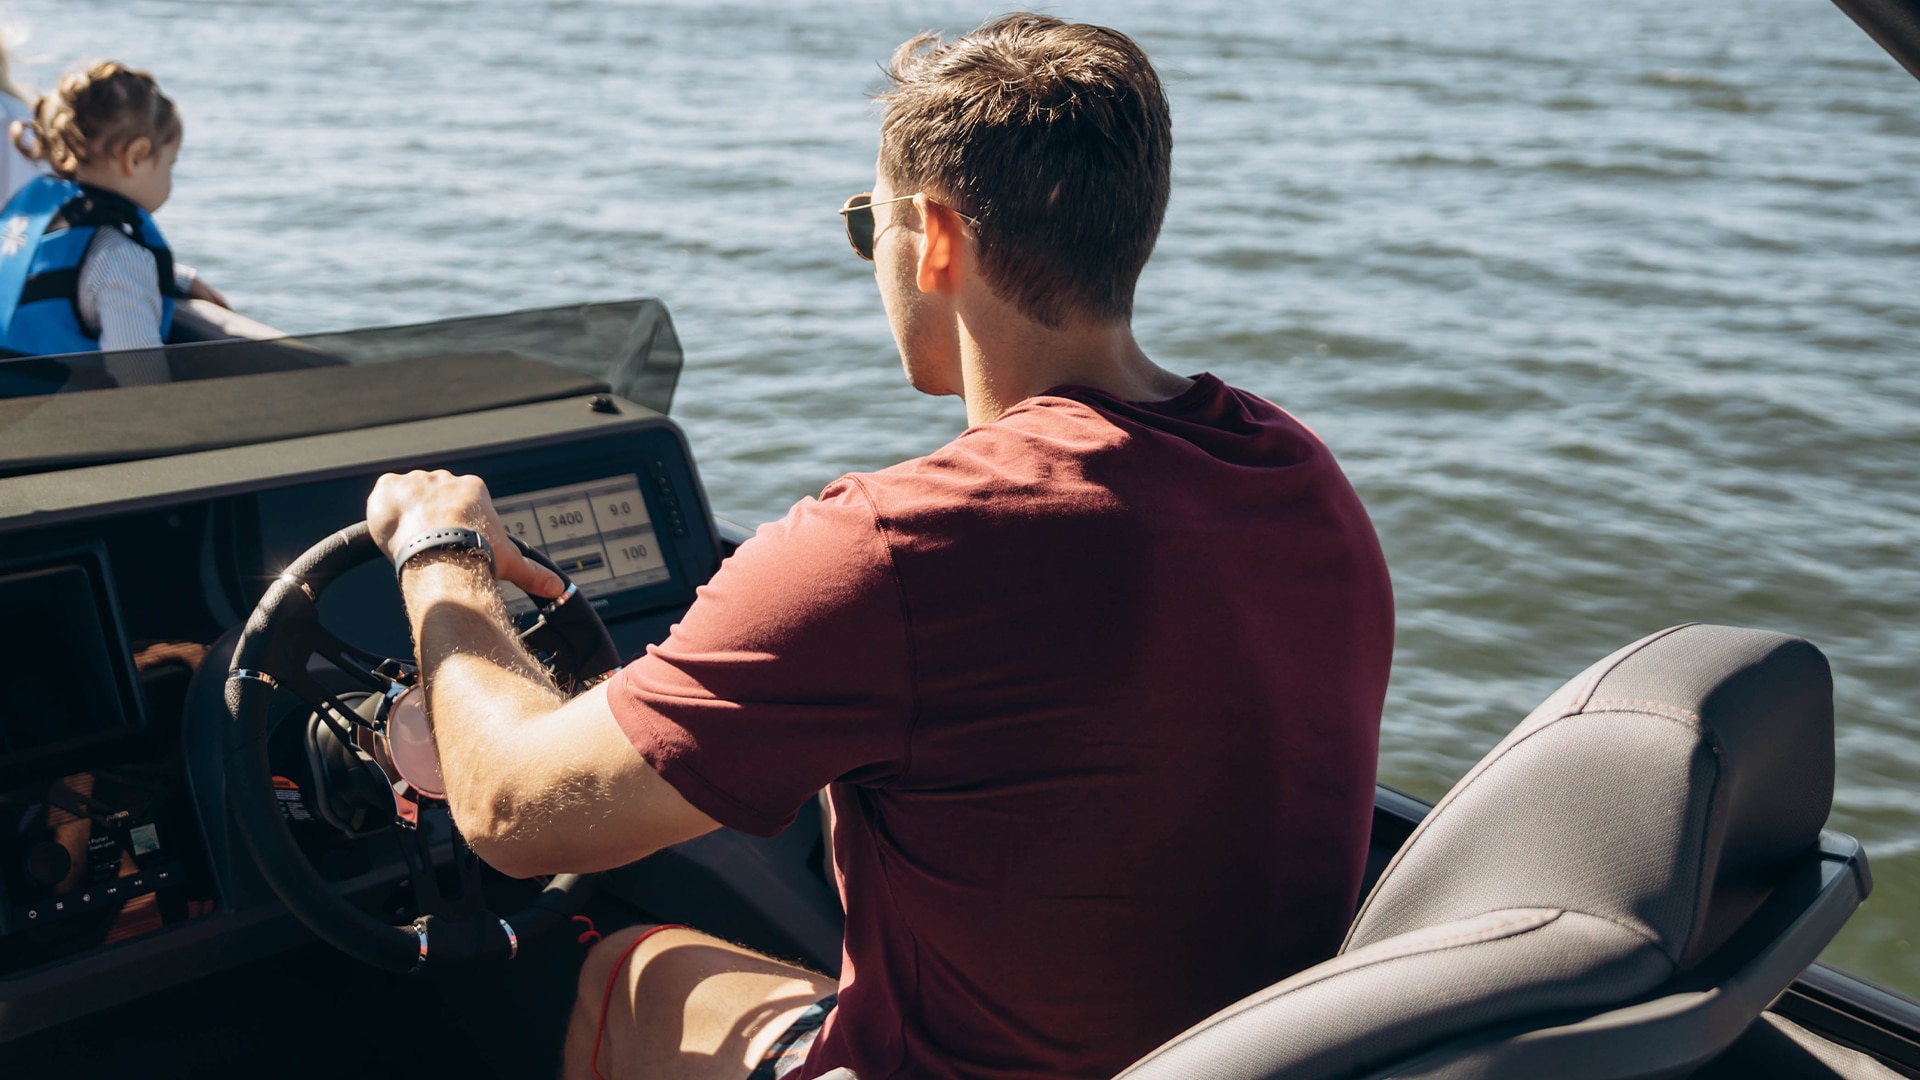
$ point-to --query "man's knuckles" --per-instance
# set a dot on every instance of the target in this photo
(427, 499)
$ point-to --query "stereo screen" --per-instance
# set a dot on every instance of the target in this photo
(598, 532)
(58, 682)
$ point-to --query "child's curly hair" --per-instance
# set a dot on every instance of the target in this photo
(92, 114)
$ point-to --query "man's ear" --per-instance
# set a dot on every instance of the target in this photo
(133, 154)
(943, 248)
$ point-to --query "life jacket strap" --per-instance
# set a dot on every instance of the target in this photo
(62, 284)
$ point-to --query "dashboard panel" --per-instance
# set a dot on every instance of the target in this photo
(274, 526)
(122, 588)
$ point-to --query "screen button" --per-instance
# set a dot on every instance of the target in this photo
(634, 554)
(522, 525)
(621, 508)
(566, 519)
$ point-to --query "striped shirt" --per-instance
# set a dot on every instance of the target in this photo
(119, 292)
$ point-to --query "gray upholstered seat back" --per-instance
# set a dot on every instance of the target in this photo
(1664, 789)
(1620, 834)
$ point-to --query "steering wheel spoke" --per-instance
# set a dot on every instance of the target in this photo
(363, 667)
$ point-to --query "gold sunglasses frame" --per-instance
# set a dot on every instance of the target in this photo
(848, 208)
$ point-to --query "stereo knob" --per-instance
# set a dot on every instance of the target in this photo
(48, 864)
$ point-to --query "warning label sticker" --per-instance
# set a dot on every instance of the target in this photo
(292, 805)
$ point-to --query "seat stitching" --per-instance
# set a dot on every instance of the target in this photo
(1495, 932)
(1658, 708)
(1592, 685)
(1636, 929)
(1443, 946)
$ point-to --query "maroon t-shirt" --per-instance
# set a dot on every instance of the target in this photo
(1097, 690)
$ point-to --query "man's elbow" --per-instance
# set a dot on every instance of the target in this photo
(494, 824)
(552, 818)
(511, 859)
(527, 832)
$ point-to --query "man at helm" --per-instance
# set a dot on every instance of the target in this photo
(1095, 688)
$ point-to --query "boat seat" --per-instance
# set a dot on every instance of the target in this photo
(1617, 890)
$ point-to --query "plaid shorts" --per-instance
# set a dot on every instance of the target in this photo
(789, 1051)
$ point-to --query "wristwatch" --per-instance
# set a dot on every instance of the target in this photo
(442, 540)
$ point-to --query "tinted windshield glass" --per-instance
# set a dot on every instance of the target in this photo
(629, 345)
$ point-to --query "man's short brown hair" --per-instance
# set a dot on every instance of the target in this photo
(1055, 138)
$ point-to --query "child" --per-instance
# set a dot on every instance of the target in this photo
(83, 267)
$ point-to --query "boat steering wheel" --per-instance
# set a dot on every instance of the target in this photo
(383, 768)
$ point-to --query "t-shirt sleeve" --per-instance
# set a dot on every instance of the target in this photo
(791, 670)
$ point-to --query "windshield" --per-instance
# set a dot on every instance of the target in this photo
(92, 408)
(627, 344)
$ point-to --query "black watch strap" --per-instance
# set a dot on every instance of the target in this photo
(442, 540)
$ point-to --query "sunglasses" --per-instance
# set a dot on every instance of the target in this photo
(859, 215)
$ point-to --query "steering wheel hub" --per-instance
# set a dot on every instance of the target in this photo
(410, 743)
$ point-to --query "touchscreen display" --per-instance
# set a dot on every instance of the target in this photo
(57, 677)
(598, 532)
(84, 843)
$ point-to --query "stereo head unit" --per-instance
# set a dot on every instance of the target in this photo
(65, 677)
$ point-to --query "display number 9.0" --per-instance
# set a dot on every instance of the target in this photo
(619, 508)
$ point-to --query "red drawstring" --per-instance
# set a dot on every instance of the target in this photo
(589, 936)
(607, 1001)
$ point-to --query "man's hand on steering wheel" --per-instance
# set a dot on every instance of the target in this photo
(405, 506)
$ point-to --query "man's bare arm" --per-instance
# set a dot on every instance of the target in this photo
(537, 784)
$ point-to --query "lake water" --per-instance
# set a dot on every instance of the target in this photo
(1608, 309)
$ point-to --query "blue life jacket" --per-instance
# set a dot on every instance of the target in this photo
(46, 230)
